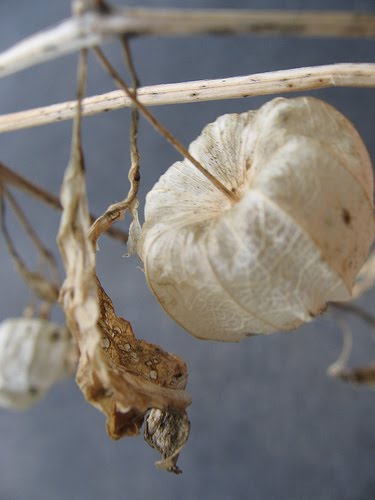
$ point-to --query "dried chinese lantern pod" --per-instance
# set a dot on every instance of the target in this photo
(34, 354)
(293, 240)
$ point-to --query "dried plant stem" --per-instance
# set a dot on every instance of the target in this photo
(38, 284)
(160, 128)
(45, 254)
(273, 82)
(92, 29)
(110, 378)
(135, 113)
(134, 174)
(8, 176)
(12, 178)
(365, 374)
(339, 365)
(116, 211)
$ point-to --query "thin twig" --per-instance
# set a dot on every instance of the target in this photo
(116, 211)
(45, 253)
(339, 365)
(134, 175)
(363, 375)
(76, 152)
(12, 178)
(135, 113)
(273, 82)
(8, 176)
(160, 128)
(92, 29)
(37, 283)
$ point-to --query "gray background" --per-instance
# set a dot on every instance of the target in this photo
(267, 422)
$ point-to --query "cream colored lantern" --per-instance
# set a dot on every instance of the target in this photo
(293, 240)
(34, 354)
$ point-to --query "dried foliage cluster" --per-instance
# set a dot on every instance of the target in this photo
(122, 376)
(135, 383)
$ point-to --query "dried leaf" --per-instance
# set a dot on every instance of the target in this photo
(140, 373)
(120, 375)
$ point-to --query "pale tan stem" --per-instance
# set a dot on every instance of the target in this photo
(41, 287)
(273, 82)
(92, 29)
(117, 211)
(45, 254)
(12, 178)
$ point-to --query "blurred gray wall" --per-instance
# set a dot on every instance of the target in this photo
(267, 422)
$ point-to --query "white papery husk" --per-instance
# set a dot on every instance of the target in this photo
(34, 355)
(293, 241)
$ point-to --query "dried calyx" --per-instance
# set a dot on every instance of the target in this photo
(295, 240)
(34, 355)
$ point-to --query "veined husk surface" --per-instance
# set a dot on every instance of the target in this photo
(294, 239)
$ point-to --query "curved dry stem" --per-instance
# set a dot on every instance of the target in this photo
(339, 365)
(38, 284)
(45, 254)
(361, 375)
(117, 211)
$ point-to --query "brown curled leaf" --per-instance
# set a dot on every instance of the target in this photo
(150, 376)
(118, 374)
